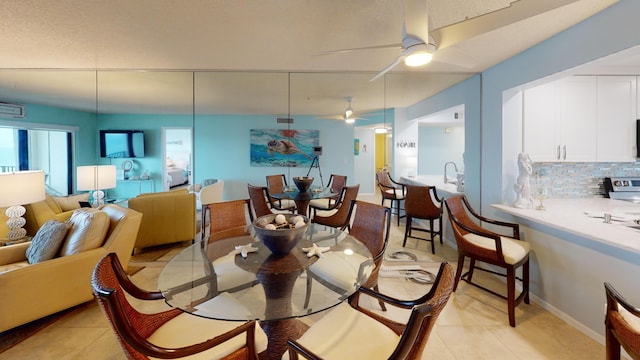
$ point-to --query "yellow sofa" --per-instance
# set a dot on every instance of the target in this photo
(168, 217)
(51, 208)
(36, 290)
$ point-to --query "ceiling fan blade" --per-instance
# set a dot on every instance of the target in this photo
(517, 11)
(388, 67)
(377, 47)
(416, 19)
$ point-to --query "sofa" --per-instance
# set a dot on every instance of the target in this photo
(29, 291)
(52, 207)
(168, 217)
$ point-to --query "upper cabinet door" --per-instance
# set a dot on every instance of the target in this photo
(616, 118)
(577, 116)
(539, 125)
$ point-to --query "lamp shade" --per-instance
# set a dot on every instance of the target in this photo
(96, 177)
(22, 187)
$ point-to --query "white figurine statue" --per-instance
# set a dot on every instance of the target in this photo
(522, 186)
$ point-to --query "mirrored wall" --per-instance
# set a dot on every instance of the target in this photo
(218, 106)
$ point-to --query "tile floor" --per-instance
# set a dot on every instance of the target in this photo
(474, 325)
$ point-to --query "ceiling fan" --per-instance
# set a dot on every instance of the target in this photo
(420, 45)
(349, 116)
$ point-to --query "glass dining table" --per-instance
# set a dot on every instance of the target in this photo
(215, 280)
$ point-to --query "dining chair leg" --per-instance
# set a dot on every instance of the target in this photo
(382, 305)
(307, 296)
(525, 281)
(472, 266)
(612, 346)
(511, 295)
(407, 230)
(440, 229)
(458, 271)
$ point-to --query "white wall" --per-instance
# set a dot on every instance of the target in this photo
(364, 162)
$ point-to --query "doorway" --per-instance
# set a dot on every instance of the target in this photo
(177, 151)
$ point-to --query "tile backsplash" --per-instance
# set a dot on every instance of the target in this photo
(578, 180)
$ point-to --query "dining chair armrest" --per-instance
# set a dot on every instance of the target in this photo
(128, 285)
(616, 297)
(515, 228)
(295, 349)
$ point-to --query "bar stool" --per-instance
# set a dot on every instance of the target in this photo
(422, 202)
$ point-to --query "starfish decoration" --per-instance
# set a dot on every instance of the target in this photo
(244, 250)
(315, 250)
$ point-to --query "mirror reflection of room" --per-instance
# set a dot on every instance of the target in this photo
(177, 158)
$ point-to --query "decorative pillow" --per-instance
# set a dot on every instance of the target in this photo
(71, 202)
(88, 228)
(46, 244)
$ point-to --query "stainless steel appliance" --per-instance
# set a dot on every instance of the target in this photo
(623, 188)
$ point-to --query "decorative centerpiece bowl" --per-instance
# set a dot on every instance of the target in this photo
(280, 235)
(303, 182)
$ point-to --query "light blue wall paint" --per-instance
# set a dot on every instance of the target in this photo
(436, 146)
(222, 150)
(466, 93)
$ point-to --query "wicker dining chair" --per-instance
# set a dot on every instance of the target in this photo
(259, 200)
(169, 334)
(371, 224)
(622, 323)
(391, 190)
(336, 183)
(352, 332)
(276, 185)
(341, 218)
(479, 244)
(422, 202)
(227, 218)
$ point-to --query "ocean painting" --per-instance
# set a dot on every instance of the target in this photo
(283, 148)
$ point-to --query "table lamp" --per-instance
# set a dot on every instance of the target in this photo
(96, 178)
(17, 189)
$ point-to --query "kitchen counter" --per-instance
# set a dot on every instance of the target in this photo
(583, 217)
(433, 180)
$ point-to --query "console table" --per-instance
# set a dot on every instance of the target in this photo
(150, 183)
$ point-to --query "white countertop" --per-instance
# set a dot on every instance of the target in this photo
(583, 217)
(432, 180)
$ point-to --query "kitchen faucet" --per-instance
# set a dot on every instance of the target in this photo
(446, 179)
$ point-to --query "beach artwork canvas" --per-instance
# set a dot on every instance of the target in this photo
(283, 148)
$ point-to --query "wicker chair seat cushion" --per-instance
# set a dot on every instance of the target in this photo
(513, 250)
(187, 329)
(397, 193)
(632, 320)
(344, 333)
(285, 203)
(321, 203)
(341, 270)
(229, 275)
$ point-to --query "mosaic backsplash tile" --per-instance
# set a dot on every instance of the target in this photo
(578, 180)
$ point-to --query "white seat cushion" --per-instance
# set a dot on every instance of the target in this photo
(344, 333)
(397, 193)
(633, 320)
(340, 269)
(229, 275)
(513, 250)
(186, 329)
(321, 203)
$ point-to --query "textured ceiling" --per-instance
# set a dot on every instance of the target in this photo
(246, 50)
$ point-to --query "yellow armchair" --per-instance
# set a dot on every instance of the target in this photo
(168, 217)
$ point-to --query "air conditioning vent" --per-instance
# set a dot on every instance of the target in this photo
(13, 111)
(285, 121)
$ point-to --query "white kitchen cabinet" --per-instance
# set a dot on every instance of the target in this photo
(560, 120)
(581, 119)
(616, 118)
